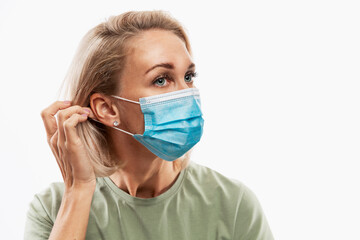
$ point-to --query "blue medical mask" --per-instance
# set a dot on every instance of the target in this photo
(173, 122)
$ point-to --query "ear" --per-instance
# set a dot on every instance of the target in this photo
(104, 109)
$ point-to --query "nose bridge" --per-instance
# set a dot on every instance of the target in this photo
(180, 83)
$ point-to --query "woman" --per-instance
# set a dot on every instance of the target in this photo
(123, 145)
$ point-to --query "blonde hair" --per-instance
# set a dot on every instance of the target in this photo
(96, 68)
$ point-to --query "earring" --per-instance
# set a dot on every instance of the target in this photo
(116, 123)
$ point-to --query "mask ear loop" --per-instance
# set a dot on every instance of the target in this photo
(125, 99)
(115, 127)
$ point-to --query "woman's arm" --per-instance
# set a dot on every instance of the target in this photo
(73, 160)
(72, 218)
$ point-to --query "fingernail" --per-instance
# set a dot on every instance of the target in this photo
(67, 102)
(87, 110)
(84, 115)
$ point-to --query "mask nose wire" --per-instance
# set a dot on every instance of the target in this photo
(115, 127)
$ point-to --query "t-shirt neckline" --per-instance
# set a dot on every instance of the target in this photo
(147, 201)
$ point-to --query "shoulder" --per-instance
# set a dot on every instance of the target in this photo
(45, 203)
(42, 211)
(48, 200)
(214, 188)
(233, 198)
(212, 180)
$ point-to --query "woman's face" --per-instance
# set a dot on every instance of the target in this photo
(158, 62)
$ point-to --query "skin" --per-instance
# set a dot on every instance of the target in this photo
(79, 178)
(144, 175)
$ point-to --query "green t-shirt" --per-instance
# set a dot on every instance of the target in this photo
(201, 204)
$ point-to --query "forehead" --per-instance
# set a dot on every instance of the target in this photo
(154, 46)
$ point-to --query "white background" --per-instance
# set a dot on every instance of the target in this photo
(279, 82)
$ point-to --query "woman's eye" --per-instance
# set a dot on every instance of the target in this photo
(160, 81)
(189, 77)
(163, 80)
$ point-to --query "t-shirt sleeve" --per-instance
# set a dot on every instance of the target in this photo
(38, 223)
(251, 223)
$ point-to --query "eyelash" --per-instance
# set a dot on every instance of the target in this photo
(192, 74)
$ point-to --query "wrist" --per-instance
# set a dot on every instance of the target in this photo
(81, 188)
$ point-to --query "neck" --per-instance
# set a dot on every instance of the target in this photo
(143, 175)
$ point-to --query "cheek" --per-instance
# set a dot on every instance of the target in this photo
(139, 124)
(132, 119)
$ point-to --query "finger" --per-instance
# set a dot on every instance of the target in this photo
(57, 153)
(48, 116)
(70, 124)
(63, 116)
(91, 114)
(54, 145)
(61, 166)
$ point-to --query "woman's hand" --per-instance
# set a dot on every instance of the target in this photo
(66, 145)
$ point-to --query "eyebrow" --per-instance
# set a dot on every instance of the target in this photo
(167, 65)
